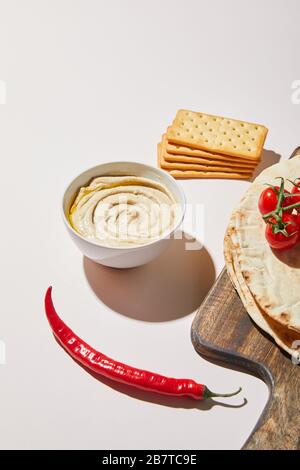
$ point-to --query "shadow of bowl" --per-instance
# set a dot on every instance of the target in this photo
(170, 287)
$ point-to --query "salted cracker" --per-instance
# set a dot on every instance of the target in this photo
(235, 164)
(176, 149)
(189, 174)
(203, 173)
(218, 134)
(196, 166)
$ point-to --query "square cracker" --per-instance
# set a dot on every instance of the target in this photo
(176, 149)
(182, 162)
(206, 159)
(200, 171)
(217, 134)
(190, 174)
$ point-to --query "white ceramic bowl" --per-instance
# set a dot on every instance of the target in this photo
(122, 257)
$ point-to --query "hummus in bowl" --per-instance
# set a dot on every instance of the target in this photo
(124, 211)
(123, 214)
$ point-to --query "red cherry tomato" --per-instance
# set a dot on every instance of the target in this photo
(295, 199)
(298, 219)
(279, 241)
(268, 200)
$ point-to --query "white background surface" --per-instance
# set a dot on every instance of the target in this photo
(92, 81)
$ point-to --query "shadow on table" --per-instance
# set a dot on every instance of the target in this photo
(268, 158)
(170, 287)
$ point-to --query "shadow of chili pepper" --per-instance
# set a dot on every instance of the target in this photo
(155, 398)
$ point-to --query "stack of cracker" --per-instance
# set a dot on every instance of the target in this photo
(199, 145)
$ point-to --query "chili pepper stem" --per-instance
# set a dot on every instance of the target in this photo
(208, 394)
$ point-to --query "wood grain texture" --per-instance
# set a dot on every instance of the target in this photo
(223, 331)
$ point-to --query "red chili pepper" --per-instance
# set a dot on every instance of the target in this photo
(103, 365)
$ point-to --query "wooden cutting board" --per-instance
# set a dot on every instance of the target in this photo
(223, 331)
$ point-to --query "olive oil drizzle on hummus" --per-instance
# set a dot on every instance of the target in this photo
(123, 211)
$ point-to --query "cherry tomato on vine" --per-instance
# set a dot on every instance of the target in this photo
(298, 218)
(296, 199)
(268, 200)
(280, 241)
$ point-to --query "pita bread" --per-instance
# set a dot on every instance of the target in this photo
(268, 282)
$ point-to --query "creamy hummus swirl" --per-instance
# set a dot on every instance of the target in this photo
(124, 211)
